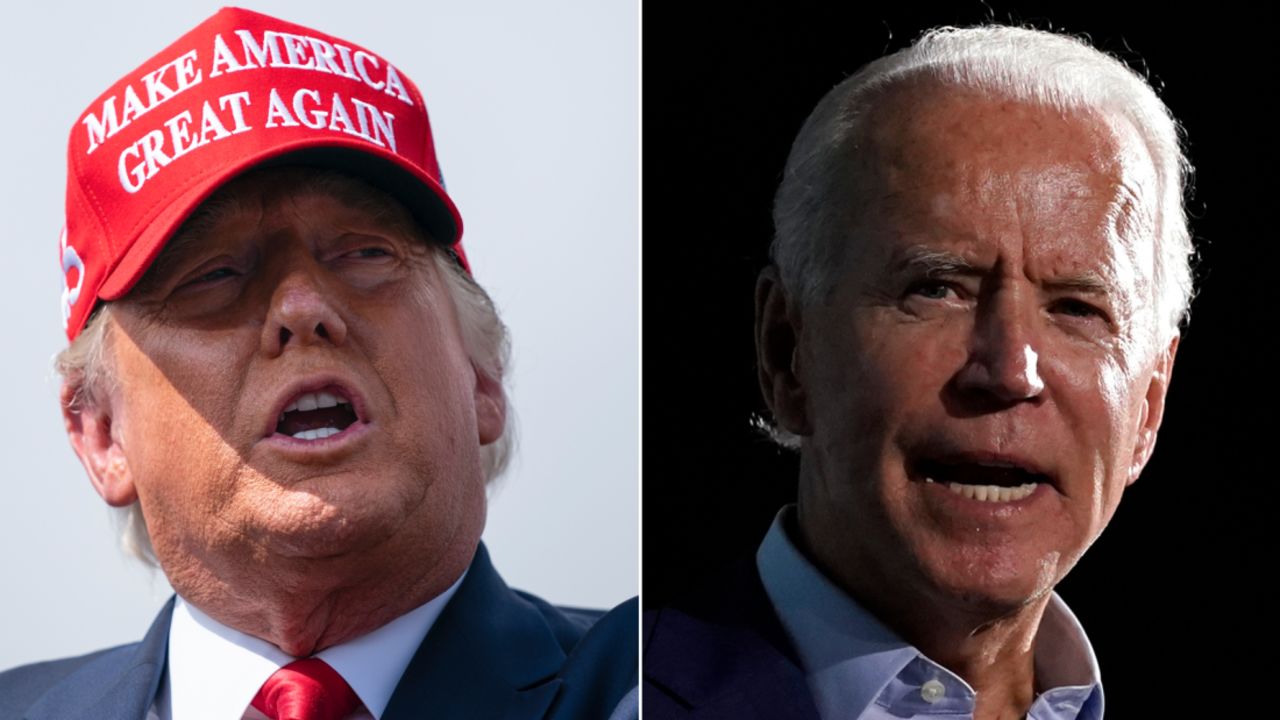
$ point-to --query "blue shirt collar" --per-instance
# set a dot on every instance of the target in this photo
(857, 667)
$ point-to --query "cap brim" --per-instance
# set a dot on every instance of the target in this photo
(425, 199)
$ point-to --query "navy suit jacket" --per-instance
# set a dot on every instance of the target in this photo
(493, 653)
(723, 653)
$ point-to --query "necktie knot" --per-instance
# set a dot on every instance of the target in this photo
(306, 689)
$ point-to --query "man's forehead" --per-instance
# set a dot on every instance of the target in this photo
(944, 177)
(1087, 240)
(245, 200)
(927, 122)
(928, 150)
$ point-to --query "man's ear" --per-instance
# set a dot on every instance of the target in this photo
(491, 407)
(1153, 409)
(89, 428)
(777, 334)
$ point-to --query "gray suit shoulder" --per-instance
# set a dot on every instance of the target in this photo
(21, 686)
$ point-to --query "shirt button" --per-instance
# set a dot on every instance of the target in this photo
(933, 691)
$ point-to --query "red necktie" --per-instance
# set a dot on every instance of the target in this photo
(306, 689)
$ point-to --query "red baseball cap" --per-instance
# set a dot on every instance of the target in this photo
(241, 90)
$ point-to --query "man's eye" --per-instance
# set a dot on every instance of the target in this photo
(369, 252)
(1076, 308)
(211, 276)
(932, 290)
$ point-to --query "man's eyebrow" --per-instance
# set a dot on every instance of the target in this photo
(1087, 282)
(931, 262)
(171, 257)
(192, 233)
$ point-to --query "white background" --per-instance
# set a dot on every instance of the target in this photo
(535, 111)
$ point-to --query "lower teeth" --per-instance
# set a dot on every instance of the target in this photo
(317, 434)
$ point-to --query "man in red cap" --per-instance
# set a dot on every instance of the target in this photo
(281, 366)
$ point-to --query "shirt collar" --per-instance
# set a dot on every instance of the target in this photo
(852, 660)
(214, 671)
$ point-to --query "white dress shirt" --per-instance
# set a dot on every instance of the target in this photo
(213, 672)
(859, 669)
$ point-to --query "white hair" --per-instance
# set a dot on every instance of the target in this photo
(87, 370)
(1025, 65)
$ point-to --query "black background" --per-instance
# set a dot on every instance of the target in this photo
(1172, 595)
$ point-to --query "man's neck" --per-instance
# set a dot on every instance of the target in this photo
(991, 648)
(305, 606)
(996, 657)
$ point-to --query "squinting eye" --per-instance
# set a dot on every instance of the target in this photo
(1076, 308)
(213, 276)
(931, 289)
(369, 252)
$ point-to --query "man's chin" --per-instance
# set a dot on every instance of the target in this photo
(987, 595)
(321, 526)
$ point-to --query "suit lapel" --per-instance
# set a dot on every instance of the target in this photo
(118, 685)
(724, 654)
(489, 656)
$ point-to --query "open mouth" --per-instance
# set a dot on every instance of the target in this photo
(988, 481)
(317, 415)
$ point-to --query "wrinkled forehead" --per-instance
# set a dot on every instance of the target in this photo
(922, 129)
(923, 148)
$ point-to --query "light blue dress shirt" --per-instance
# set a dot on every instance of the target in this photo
(858, 669)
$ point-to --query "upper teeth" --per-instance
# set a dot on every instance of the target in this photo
(313, 401)
(991, 493)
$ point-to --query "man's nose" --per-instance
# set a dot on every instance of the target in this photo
(1003, 362)
(302, 312)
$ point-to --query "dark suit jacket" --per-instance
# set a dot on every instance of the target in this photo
(493, 653)
(722, 653)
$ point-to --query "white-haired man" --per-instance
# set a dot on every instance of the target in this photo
(981, 263)
(281, 367)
